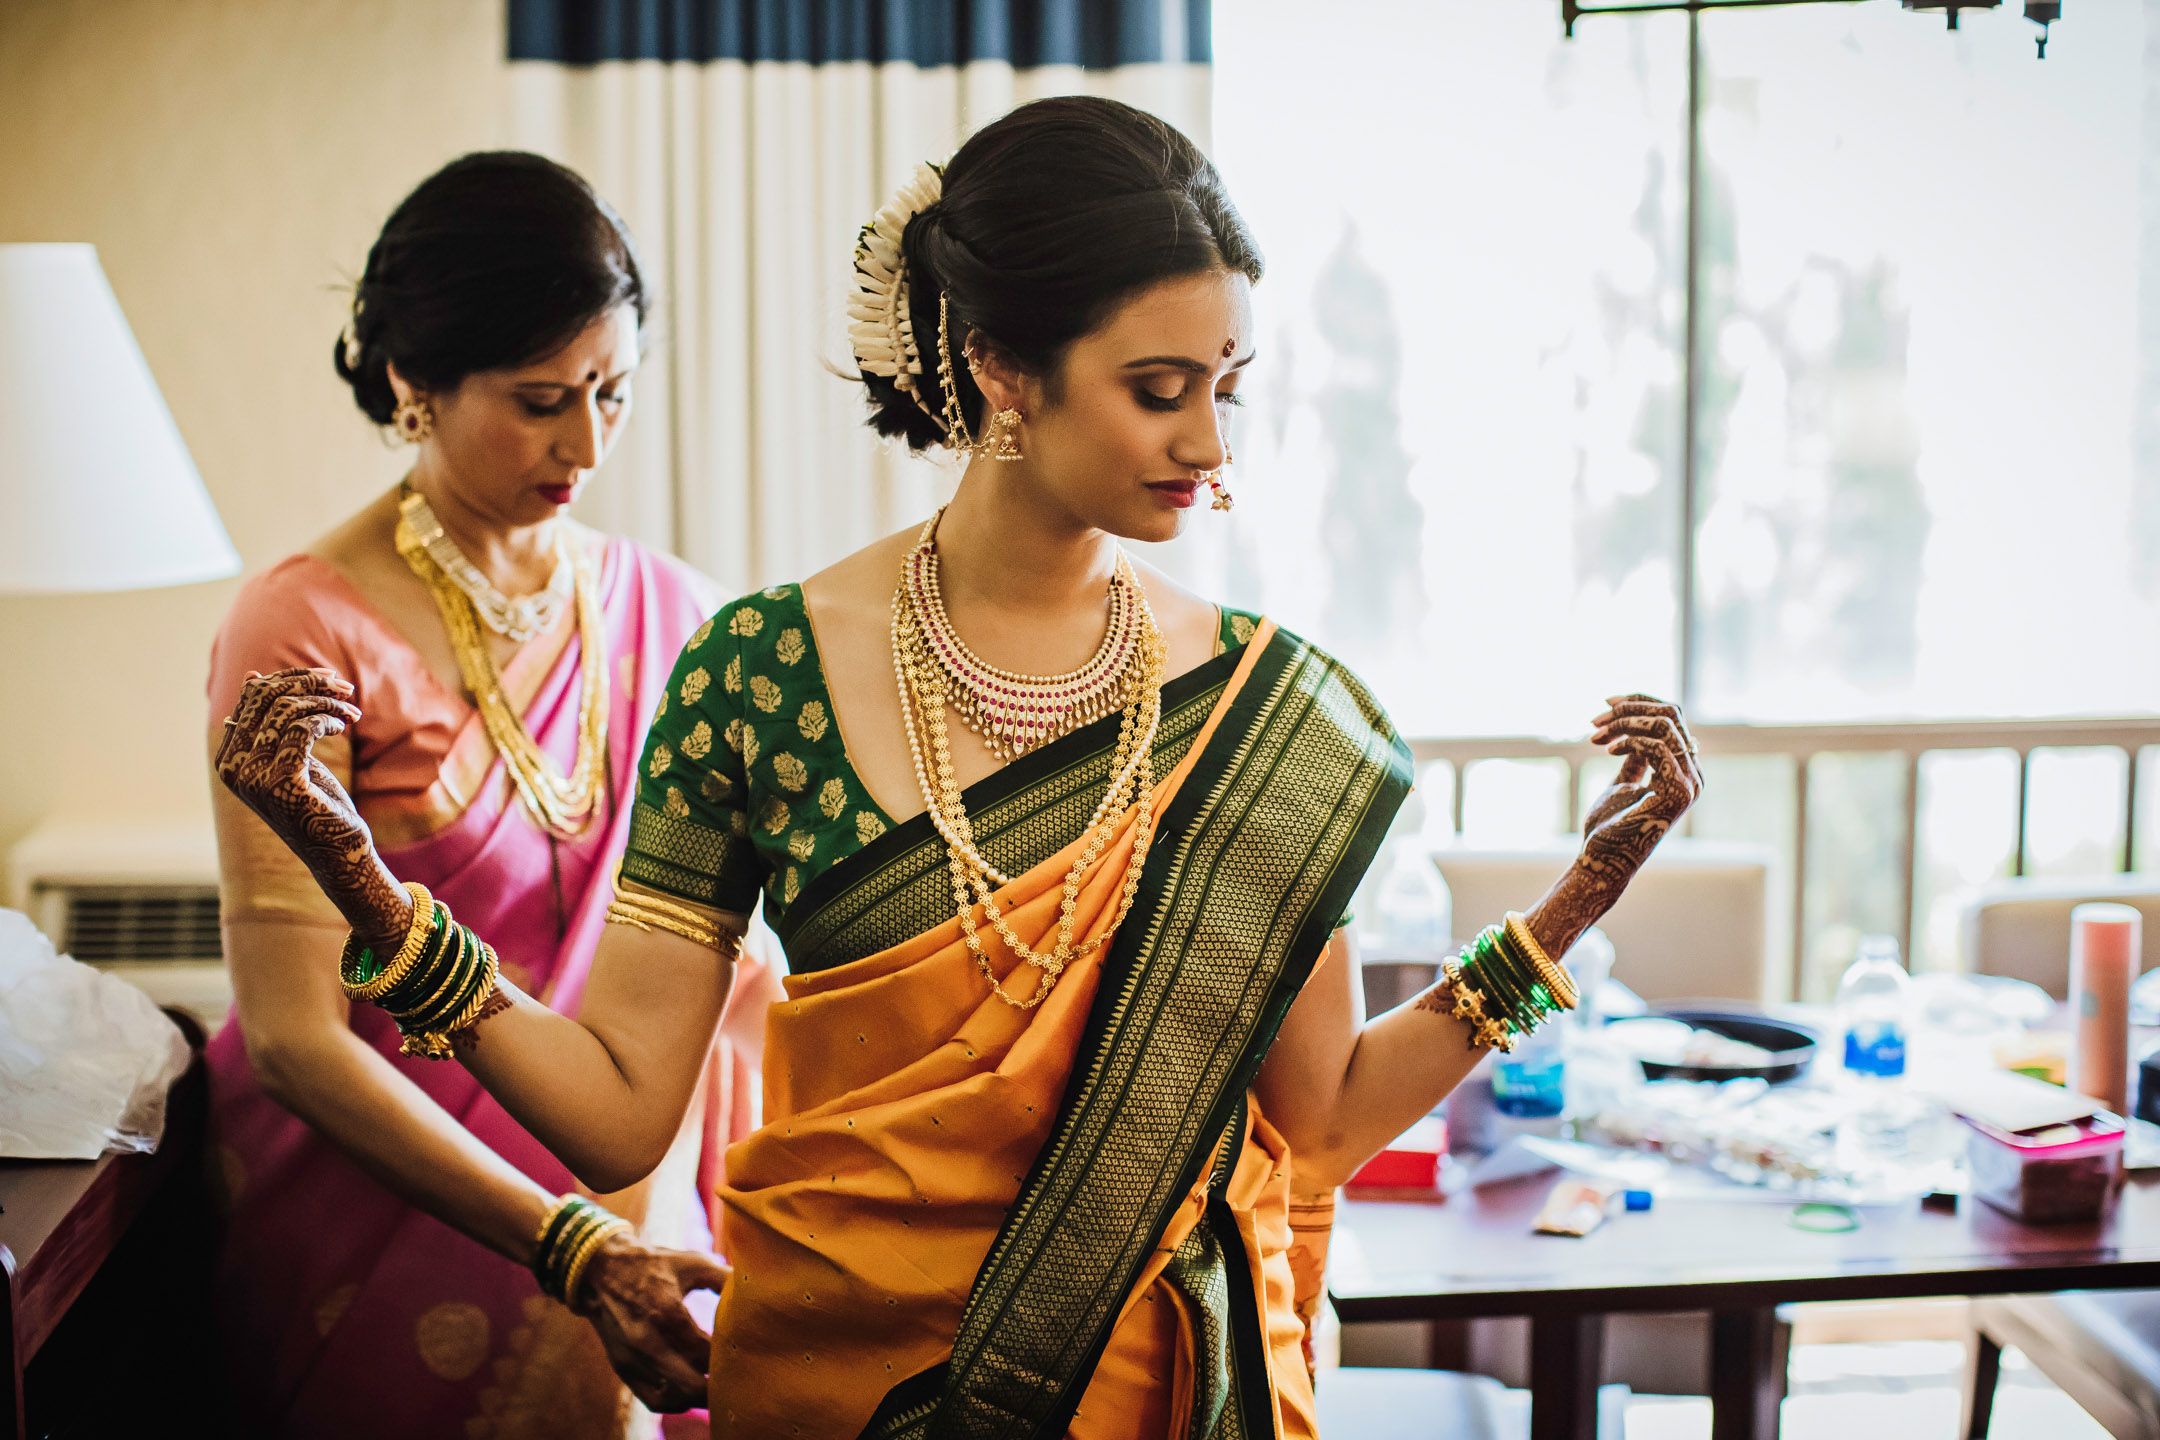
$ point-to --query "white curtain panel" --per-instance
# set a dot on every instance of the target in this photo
(745, 182)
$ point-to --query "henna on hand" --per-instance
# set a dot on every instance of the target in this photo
(1659, 779)
(633, 1294)
(267, 759)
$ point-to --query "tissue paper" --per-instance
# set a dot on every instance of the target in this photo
(85, 1059)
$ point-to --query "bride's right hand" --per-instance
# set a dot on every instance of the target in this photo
(268, 760)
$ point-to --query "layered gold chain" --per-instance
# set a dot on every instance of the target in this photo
(562, 805)
(924, 694)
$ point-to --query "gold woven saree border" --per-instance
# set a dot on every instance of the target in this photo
(1306, 774)
(900, 886)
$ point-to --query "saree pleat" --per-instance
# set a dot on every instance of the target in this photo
(1022, 1231)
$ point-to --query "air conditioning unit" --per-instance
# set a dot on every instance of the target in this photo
(137, 900)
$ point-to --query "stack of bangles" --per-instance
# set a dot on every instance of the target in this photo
(642, 910)
(441, 981)
(573, 1231)
(1505, 984)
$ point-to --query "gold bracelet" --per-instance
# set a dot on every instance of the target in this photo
(416, 933)
(435, 1044)
(1487, 1031)
(574, 1273)
(643, 912)
(1555, 977)
(452, 964)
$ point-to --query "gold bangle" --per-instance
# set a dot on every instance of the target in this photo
(1488, 1031)
(453, 962)
(434, 1043)
(641, 914)
(416, 933)
(1555, 977)
(574, 1273)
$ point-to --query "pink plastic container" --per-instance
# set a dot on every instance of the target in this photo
(2054, 1173)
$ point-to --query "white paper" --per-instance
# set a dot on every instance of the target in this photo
(2003, 1098)
(85, 1058)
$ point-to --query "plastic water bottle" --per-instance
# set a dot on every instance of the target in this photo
(1887, 1135)
(1530, 1081)
(1406, 911)
(1871, 1009)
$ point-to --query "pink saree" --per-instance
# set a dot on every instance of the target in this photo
(345, 1312)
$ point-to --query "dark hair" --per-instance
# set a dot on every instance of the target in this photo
(1049, 218)
(498, 258)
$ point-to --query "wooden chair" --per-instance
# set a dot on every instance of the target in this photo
(2021, 927)
(2100, 1347)
(1691, 926)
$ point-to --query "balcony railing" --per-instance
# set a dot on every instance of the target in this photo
(1805, 748)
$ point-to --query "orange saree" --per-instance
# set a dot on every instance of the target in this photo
(964, 1218)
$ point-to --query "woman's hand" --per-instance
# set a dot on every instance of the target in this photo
(633, 1294)
(1659, 779)
(268, 760)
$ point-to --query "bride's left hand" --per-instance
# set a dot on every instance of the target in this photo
(1659, 779)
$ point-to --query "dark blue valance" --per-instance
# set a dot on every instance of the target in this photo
(1095, 34)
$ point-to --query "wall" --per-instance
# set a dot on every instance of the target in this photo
(231, 160)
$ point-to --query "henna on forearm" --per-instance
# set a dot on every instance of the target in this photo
(1659, 779)
(466, 1038)
(267, 760)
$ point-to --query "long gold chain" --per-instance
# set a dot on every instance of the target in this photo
(562, 805)
(923, 698)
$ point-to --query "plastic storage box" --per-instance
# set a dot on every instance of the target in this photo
(2053, 1173)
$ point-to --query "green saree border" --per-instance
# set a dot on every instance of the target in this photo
(898, 885)
(1254, 859)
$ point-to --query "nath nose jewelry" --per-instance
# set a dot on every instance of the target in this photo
(1223, 498)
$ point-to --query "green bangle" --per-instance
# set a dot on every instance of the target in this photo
(415, 978)
(1537, 1000)
(1499, 982)
(456, 984)
(438, 962)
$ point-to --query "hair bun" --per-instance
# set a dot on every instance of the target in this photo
(1036, 229)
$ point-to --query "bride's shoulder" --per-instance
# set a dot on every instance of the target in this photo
(860, 584)
(1184, 612)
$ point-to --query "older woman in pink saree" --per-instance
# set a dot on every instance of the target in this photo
(382, 1208)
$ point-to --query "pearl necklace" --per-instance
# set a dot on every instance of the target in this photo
(924, 694)
(519, 619)
(1015, 713)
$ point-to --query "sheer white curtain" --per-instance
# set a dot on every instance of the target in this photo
(745, 181)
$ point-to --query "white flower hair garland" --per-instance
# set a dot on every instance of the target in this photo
(881, 331)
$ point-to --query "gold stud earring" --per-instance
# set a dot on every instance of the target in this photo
(1007, 424)
(413, 421)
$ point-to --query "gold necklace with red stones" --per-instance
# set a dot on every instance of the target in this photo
(1015, 713)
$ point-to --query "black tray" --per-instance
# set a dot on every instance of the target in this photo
(1791, 1047)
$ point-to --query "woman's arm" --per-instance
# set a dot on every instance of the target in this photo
(1340, 1087)
(293, 1017)
(605, 1092)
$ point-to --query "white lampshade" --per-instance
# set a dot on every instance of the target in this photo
(96, 488)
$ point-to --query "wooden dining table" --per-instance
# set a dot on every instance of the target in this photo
(1474, 1255)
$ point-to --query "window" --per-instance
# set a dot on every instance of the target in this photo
(1925, 479)
(1924, 378)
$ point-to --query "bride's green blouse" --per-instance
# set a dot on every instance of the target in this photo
(745, 783)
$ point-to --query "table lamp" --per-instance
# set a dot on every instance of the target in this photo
(97, 491)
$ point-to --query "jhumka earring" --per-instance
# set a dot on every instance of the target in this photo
(1007, 423)
(413, 421)
(1223, 500)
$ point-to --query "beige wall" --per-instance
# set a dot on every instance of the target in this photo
(231, 160)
